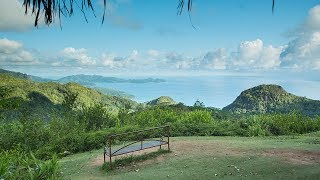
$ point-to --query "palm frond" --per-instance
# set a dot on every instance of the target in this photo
(53, 8)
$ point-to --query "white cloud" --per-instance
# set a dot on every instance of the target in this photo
(313, 20)
(304, 51)
(7, 46)
(12, 53)
(253, 54)
(77, 56)
(249, 51)
(12, 17)
(153, 53)
(215, 59)
(109, 60)
(134, 55)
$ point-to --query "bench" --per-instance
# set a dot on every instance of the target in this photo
(139, 140)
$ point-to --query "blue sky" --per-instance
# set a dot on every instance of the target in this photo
(144, 37)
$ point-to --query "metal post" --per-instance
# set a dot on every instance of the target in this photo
(168, 129)
(110, 155)
(141, 139)
(104, 154)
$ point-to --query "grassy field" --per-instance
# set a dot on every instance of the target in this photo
(284, 157)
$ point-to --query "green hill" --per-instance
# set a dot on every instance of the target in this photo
(272, 98)
(24, 76)
(45, 99)
(163, 100)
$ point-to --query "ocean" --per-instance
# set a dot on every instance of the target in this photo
(213, 91)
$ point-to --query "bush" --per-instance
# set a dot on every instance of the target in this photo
(17, 164)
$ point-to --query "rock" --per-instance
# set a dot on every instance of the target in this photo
(66, 153)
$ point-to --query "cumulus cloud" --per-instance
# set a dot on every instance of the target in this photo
(112, 61)
(153, 53)
(253, 54)
(7, 46)
(77, 56)
(12, 17)
(215, 59)
(312, 22)
(12, 53)
(304, 51)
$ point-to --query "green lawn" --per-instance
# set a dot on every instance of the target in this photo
(285, 157)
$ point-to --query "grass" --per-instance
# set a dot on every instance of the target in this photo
(296, 157)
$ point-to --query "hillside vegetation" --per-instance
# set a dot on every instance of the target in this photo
(46, 99)
(163, 100)
(272, 99)
(23, 76)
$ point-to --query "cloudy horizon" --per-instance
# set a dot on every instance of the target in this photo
(21, 45)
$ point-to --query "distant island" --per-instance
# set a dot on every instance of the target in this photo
(90, 80)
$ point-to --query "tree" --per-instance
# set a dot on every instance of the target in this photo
(53, 8)
(198, 104)
(69, 101)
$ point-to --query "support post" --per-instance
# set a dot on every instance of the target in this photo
(104, 154)
(141, 139)
(168, 129)
(110, 155)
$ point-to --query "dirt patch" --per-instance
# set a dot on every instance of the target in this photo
(98, 161)
(205, 148)
(295, 156)
(180, 148)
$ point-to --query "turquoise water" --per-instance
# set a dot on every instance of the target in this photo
(214, 91)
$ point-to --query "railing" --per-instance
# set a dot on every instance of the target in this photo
(145, 142)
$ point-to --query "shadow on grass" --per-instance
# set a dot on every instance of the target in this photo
(126, 161)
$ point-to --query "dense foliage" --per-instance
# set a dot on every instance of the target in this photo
(18, 164)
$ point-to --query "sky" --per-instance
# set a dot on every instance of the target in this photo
(147, 37)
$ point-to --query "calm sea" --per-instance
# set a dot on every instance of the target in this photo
(214, 91)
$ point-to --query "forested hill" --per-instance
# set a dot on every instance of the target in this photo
(46, 99)
(23, 76)
(272, 98)
(163, 100)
